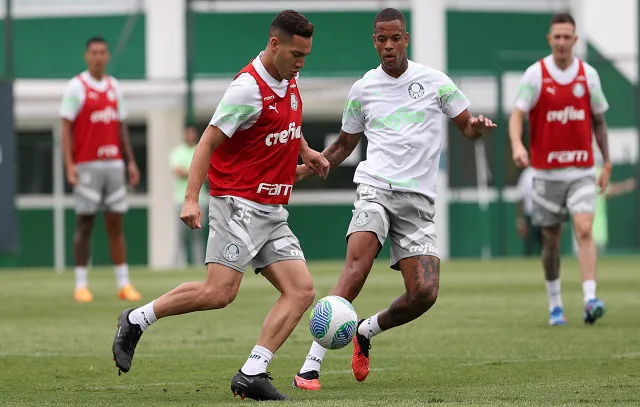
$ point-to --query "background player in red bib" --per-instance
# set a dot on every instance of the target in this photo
(563, 98)
(97, 152)
(251, 149)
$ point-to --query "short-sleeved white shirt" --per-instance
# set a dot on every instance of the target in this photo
(529, 92)
(402, 119)
(74, 95)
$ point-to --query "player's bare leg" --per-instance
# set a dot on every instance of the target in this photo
(362, 248)
(421, 276)
(217, 291)
(295, 284)
(81, 254)
(551, 265)
(118, 251)
(587, 258)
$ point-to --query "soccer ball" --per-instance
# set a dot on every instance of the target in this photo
(333, 322)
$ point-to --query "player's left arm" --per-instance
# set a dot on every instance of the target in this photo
(455, 105)
(125, 141)
(130, 159)
(473, 127)
(599, 106)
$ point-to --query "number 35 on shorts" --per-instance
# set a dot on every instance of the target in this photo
(366, 193)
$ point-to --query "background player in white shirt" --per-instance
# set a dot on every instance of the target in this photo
(560, 192)
(398, 107)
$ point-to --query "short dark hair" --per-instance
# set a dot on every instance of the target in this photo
(389, 14)
(95, 40)
(290, 23)
(563, 18)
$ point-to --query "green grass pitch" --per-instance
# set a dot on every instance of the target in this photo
(485, 342)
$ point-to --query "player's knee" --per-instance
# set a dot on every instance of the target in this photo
(216, 297)
(303, 296)
(551, 238)
(426, 296)
(582, 231)
(84, 225)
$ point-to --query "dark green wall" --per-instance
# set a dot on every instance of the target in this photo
(474, 39)
(54, 47)
(37, 239)
(321, 230)
(342, 42)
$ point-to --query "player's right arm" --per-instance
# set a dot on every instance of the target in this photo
(239, 108)
(349, 137)
(210, 140)
(71, 104)
(526, 98)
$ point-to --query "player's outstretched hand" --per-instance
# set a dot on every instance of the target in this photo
(316, 162)
(302, 172)
(191, 215)
(481, 124)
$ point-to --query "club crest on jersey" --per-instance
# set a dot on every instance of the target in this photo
(294, 102)
(578, 90)
(416, 90)
(231, 252)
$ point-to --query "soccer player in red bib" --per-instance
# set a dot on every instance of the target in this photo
(97, 153)
(251, 149)
(564, 100)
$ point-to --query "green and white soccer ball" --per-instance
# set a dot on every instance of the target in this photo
(333, 322)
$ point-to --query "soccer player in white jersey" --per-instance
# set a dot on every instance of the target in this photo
(565, 104)
(97, 154)
(398, 106)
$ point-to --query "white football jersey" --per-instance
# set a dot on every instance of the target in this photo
(402, 120)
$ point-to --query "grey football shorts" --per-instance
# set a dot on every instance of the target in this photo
(100, 186)
(406, 217)
(555, 200)
(240, 235)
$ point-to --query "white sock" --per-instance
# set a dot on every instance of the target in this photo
(314, 358)
(589, 290)
(258, 361)
(554, 294)
(369, 327)
(122, 274)
(143, 316)
(81, 274)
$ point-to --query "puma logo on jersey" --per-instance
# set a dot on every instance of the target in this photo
(568, 114)
(565, 157)
(551, 90)
(105, 116)
(274, 189)
(292, 133)
(273, 107)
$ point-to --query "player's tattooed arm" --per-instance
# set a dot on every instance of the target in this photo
(341, 148)
(336, 153)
